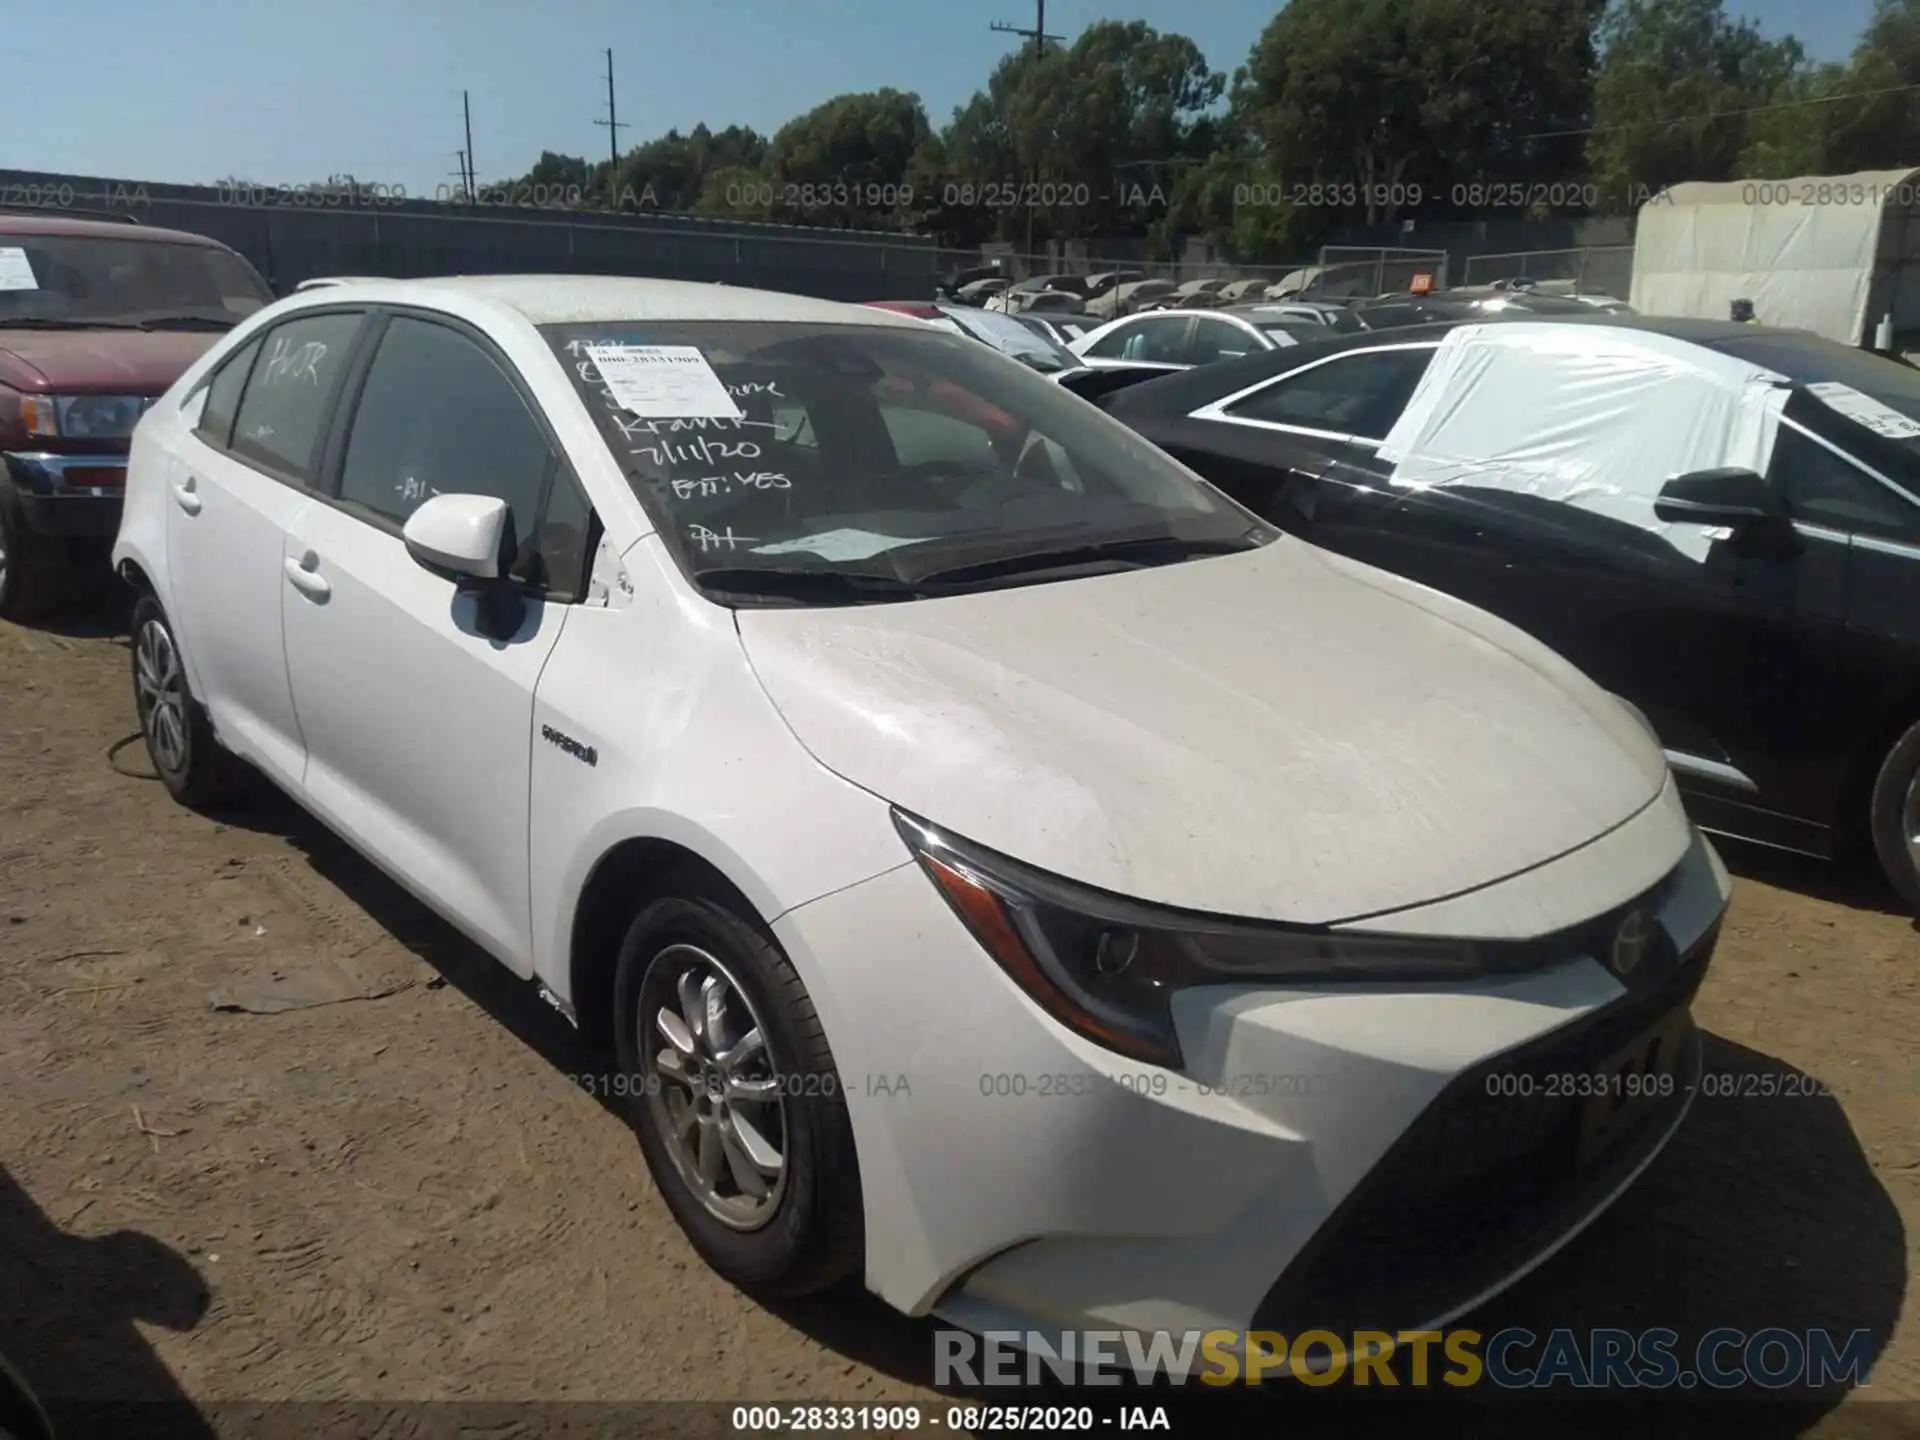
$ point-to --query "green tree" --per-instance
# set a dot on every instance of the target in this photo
(844, 163)
(1878, 132)
(1674, 97)
(1391, 102)
(670, 172)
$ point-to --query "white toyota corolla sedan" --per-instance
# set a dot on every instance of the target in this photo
(1003, 868)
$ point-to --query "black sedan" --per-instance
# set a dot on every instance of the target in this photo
(1720, 523)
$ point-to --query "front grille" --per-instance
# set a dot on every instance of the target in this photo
(1489, 1174)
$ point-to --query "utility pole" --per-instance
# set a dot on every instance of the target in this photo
(614, 127)
(1038, 34)
(466, 180)
(467, 111)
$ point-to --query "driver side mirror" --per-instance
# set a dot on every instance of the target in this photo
(469, 539)
(1732, 496)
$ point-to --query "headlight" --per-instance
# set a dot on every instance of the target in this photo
(84, 417)
(1107, 967)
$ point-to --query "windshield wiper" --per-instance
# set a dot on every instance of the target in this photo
(793, 583)
(184, 320)
(51, 322)
(1119, 554)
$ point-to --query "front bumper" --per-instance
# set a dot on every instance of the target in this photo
(1360, 1163)
(70, 496)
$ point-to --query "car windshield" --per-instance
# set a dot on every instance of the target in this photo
(87, 278)
(1010, 337)
(783, 454)
(1842, 377)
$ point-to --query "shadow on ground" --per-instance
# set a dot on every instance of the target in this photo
(68, 1307)
(1854, 881)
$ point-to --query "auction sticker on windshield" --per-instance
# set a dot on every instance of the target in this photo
(15, 271)
(1856, 405)
(663, 382)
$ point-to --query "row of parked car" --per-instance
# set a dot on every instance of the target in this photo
(1223, 813)
(1758, 623)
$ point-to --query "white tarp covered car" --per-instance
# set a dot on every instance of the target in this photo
(1587, 415)
(1826, 253)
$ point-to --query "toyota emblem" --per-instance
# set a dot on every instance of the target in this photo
(1630, 942)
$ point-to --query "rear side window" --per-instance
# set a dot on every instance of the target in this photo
(223, 397)
(289, 392)
(1359, 395)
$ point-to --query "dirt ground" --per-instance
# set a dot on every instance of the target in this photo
(407, 1198)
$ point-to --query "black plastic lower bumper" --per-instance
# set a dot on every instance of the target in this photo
(1504, 1163)
(77, 517)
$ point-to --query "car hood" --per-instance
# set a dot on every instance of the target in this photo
(138, 362)
(1280, 734)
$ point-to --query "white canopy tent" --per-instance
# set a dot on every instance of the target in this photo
(1822, 253)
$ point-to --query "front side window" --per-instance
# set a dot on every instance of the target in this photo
(289, 391)
(437, 416)
(1359, 395)
(813, 449)
(1158, 340)
(1825, 488)
(1219, 340)
(158, 284)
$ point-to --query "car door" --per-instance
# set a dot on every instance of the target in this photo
(237, 486)
(1859, 662)
(418, 726)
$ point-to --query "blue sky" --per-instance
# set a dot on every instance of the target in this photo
(200, 90)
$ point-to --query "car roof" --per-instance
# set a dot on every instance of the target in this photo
(13, 223)
(586, 299)
(1186, 391)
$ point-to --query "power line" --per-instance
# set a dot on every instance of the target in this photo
(1724, 114)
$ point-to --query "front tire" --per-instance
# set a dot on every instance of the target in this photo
(196, 769)
(1896, 817)
(732, 1089)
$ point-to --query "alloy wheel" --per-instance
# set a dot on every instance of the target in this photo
(712, 1092)
(160, 696)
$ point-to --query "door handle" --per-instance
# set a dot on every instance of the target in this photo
(184, 495)
(302, 573)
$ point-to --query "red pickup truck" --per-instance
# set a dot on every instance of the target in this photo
(97, 319)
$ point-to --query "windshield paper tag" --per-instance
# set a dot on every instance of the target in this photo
(1879, 418)
(15, 272)
(663, 382)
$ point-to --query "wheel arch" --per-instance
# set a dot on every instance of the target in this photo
(628, 875)
(1898, 713)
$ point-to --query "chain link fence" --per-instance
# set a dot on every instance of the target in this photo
(1591, 270)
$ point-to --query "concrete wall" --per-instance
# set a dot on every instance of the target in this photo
(293, 237)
